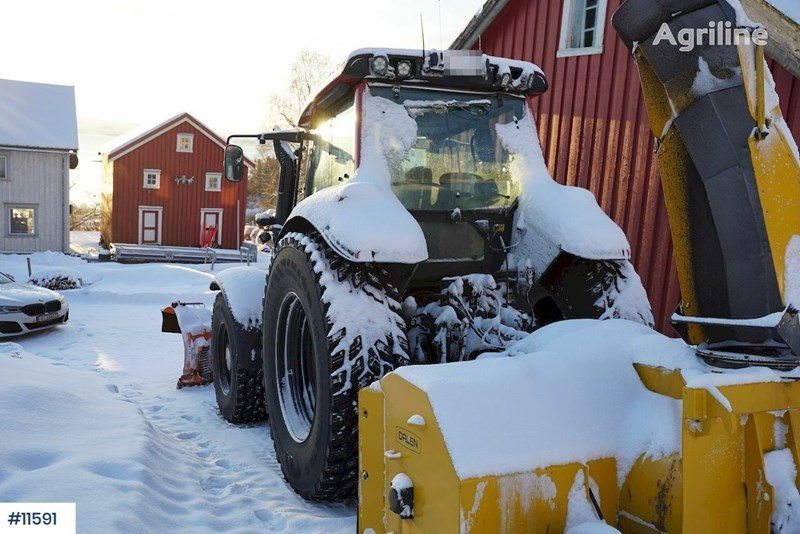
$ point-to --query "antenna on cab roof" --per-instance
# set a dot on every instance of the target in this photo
(422, 29)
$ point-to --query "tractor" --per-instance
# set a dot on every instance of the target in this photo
(415, 223)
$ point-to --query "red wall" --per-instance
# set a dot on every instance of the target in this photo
(181, 202)
(595, 133)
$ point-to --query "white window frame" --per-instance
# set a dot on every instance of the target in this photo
(218, 176)
(159, 221)
(188, 136)
(599, 31)
(4, 168)
(146, 185)
(34, 207)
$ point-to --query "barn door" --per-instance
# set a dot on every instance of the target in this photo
(211, 227)
(150, 225)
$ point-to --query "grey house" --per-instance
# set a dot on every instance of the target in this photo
(38, 146)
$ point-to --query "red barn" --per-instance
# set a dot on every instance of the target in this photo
(592, 122)
(164, 186)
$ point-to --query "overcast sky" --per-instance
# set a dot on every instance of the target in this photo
(144, 61)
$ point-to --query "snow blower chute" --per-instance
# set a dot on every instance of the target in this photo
(193, 321)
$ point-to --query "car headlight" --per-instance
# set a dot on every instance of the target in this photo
(10, 309)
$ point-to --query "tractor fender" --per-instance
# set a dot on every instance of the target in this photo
(243, 289)
(362, 222)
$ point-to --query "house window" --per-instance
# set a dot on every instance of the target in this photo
(185, 142)
(582, 27)
(213, 181)
(21, 220)
(3, 168)
(152, 179)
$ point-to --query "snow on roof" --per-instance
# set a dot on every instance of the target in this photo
(37, 115)
(790, 8)
(133, 139)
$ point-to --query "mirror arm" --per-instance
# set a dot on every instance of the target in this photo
(290, 136)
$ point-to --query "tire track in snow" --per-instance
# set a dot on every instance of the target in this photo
(195, 471)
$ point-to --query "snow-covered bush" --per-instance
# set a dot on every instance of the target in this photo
(57, 278)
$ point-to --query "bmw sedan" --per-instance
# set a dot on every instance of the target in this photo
(25, 308)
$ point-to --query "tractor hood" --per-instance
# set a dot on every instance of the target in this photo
(364, 222)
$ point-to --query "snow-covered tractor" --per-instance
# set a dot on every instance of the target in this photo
(416, 223)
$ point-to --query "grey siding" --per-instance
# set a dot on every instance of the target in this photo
(40, 180)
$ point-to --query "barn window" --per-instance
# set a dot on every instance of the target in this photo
(582, 26)
(21, 220)
(152, 179)
(185, 142)
(213, 181)
(3, 168)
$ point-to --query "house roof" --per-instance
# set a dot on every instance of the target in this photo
(475, 27)
(37, 115)
(781, 18)
(133, 139)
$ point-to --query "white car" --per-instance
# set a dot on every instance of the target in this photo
(25, 308)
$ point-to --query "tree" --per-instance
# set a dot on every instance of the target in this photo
(262, 183)
(84, 217)
(309, 71)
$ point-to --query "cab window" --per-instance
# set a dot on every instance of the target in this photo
(331, 157)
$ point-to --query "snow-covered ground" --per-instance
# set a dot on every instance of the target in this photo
(90, 414)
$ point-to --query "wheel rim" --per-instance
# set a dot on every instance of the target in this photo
(224, 370)
(295, 366)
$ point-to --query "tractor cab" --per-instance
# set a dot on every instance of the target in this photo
(437, 115)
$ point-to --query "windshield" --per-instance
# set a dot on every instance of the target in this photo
(457, 160)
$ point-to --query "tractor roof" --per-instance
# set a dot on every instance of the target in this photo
(451, 69)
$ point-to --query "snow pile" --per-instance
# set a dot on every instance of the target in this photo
(362, 219)
(57, 278)
(552, 216)
(781, 472)
(549, 393)
(238, 284)
(91, 415)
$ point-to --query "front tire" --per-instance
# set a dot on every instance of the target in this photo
(318, 355)
(239, 391)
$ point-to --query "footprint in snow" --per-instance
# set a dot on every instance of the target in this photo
(271, 520)
(188, 435)
(113, 388)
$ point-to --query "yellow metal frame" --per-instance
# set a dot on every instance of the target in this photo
(716, 484)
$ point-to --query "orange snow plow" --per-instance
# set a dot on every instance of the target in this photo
(193, 321)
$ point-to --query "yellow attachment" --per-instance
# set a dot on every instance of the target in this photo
(776, 169)
(715, 484)
(761, 114)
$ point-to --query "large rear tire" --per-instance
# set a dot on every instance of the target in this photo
(239, 391)
(318, 355)
(578, 288)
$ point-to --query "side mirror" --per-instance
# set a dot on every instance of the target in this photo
(234, 163)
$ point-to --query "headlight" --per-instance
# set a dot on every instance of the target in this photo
(404, 68)
(10, 309)
(380, 65)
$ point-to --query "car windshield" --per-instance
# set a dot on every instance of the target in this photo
(458, 160)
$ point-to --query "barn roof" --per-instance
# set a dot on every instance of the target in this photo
(781, 18)
(37, 115)
(137, 137)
